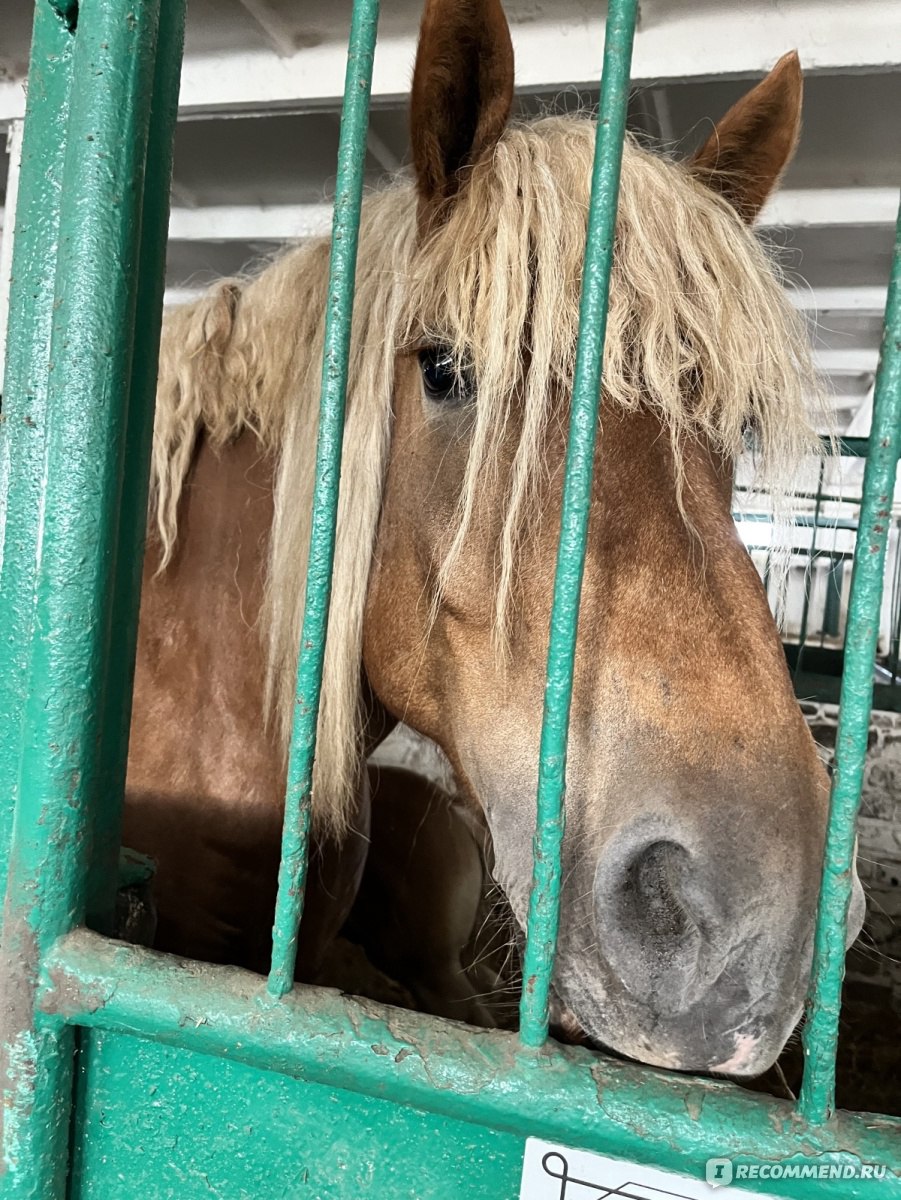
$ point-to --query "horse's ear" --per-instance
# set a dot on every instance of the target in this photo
(754, 142)
(462, 94)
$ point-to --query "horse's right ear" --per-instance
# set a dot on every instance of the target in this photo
(462, 95)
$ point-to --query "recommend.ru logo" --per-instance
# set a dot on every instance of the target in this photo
(720, 1172)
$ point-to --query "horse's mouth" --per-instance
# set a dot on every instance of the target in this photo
(747, 1051)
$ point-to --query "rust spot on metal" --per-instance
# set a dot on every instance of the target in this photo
(694, 1104)
(778, 1122)
(597, 1075)
(18, 969)
(67, 999)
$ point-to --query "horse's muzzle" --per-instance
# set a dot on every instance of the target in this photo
(704, 957)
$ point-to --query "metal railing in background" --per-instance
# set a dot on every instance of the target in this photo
(815, 594)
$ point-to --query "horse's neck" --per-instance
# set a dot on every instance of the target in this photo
(197, 728)
(205, 774)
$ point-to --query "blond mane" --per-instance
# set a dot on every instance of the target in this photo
(699, 330)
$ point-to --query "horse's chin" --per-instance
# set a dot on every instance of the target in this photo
(745, 1051)
(741, 1044)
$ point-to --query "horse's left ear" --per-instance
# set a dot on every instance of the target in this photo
(462, 94)
(753, 144)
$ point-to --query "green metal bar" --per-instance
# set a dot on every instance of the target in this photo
(832, 610)
(22, 439)
(895, 642)
(851, 447)
(57, 762)
(23, 425)
(544, 901)
(338, 315)
(107, 833)
(817, 1099)
(570, 1096)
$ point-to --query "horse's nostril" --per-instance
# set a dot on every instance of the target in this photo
(657, 922)
(654, 893)
(700, 944)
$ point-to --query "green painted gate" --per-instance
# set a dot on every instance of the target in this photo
(125, 1073)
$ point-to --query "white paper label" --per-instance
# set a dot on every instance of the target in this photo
(552, 1172)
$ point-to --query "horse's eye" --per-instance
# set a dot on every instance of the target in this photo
(444, 380)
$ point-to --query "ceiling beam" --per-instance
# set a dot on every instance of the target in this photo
(866, 301)
(847, 362)
(796, 208)
(293, 222)
(249, 223)
(674, 42)
(275, 28)
(812, 208)
(284, 222)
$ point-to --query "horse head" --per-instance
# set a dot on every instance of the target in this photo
(696, 802)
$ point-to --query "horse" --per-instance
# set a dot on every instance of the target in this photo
(696, 803)
(427, 913)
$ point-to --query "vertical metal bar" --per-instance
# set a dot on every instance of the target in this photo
(895, 643)
(342, 275)
(22, 430)
(808, 572)
(816, 1102)
(768, 567)
(544, 900)
(832, 608)
(79, 484)
(22, 437)
(107, 832)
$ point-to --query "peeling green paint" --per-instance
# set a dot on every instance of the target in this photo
(78, 255)
(450, 1070)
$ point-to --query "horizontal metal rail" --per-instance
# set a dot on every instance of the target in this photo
(570, 1096)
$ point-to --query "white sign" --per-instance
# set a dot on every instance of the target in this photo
(552, 1172)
